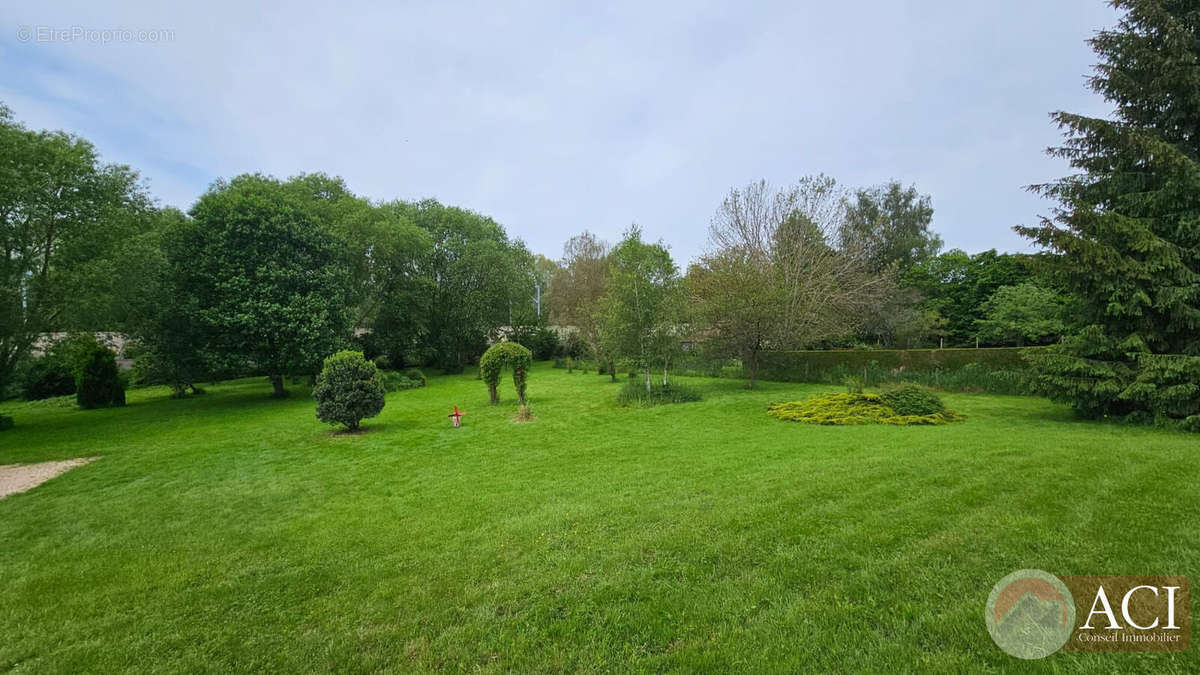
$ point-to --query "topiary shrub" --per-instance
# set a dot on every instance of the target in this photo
(634, 394)
(98, 383)
(499, 356)
(912, 399)
(849, 409)
(416, 376)
(348, 390)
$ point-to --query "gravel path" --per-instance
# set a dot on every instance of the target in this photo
(16, 478)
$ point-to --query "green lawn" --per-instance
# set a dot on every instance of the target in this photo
(234, 532)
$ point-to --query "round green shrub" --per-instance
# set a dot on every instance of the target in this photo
(98, 383)
(416, 376)
(499, 356)
(6, 422)
(912, 399)
(348, 390)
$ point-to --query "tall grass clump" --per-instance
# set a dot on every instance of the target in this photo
(634, 394)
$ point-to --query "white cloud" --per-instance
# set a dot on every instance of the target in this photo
(553, 119)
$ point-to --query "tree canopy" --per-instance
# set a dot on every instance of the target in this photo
(66, 221)
(1125, 237)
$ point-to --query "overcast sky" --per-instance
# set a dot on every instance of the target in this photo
(554, 118)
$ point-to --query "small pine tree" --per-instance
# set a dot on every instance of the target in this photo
(1126, 238)
(348, 390)
(98, 382)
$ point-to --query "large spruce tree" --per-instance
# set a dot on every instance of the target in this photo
(1126, 235)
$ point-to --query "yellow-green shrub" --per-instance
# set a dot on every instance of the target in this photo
(845, 409)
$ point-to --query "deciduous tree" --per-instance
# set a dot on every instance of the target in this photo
(772, 280)
(65, 218)
(270, 282)
(643, 305)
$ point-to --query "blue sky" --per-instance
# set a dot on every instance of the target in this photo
(555, 118)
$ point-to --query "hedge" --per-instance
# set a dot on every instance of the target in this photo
(802, 366)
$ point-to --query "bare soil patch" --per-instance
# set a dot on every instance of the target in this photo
(16, 478)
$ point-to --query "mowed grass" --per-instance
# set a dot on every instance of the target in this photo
(234, 532)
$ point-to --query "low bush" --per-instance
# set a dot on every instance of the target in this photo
(6, 422)
(98, 382)
(46, 377)
(394, 381)
(850, 409)
(634, 394)
(348, 390)
(416, 376)
(854, 384)
(912, 399)
(542, 342)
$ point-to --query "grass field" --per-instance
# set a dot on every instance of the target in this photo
(234, 532)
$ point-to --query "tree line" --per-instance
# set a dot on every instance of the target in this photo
(270, 275)
(810, 265)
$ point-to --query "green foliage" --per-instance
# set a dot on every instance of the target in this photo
(854, 384)
(67, 221)
(269, 280)
(642, 305)
(955, 285)
(852, 409)
(1124, 236)
(388, 257)
(773, 279)
(484, 281)
(889, 226)
(6, 422)
(1026, 312)
(415, 375)
(809, 366)
(45, 377)
(396, 381)
(496, 359)
(98, 382)
(541, 341)
(634, 394)
(173, 334)
(348, 390)
(912, 400)
(576, 293)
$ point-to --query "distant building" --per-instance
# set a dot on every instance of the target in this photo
(114, 341)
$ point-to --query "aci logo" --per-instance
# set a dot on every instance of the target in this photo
(1030, 614)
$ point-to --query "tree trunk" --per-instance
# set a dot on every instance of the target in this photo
(492, 394)
(277, 383)
(753, 368)
(612, 370)
(664, 376)
(647, 373)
